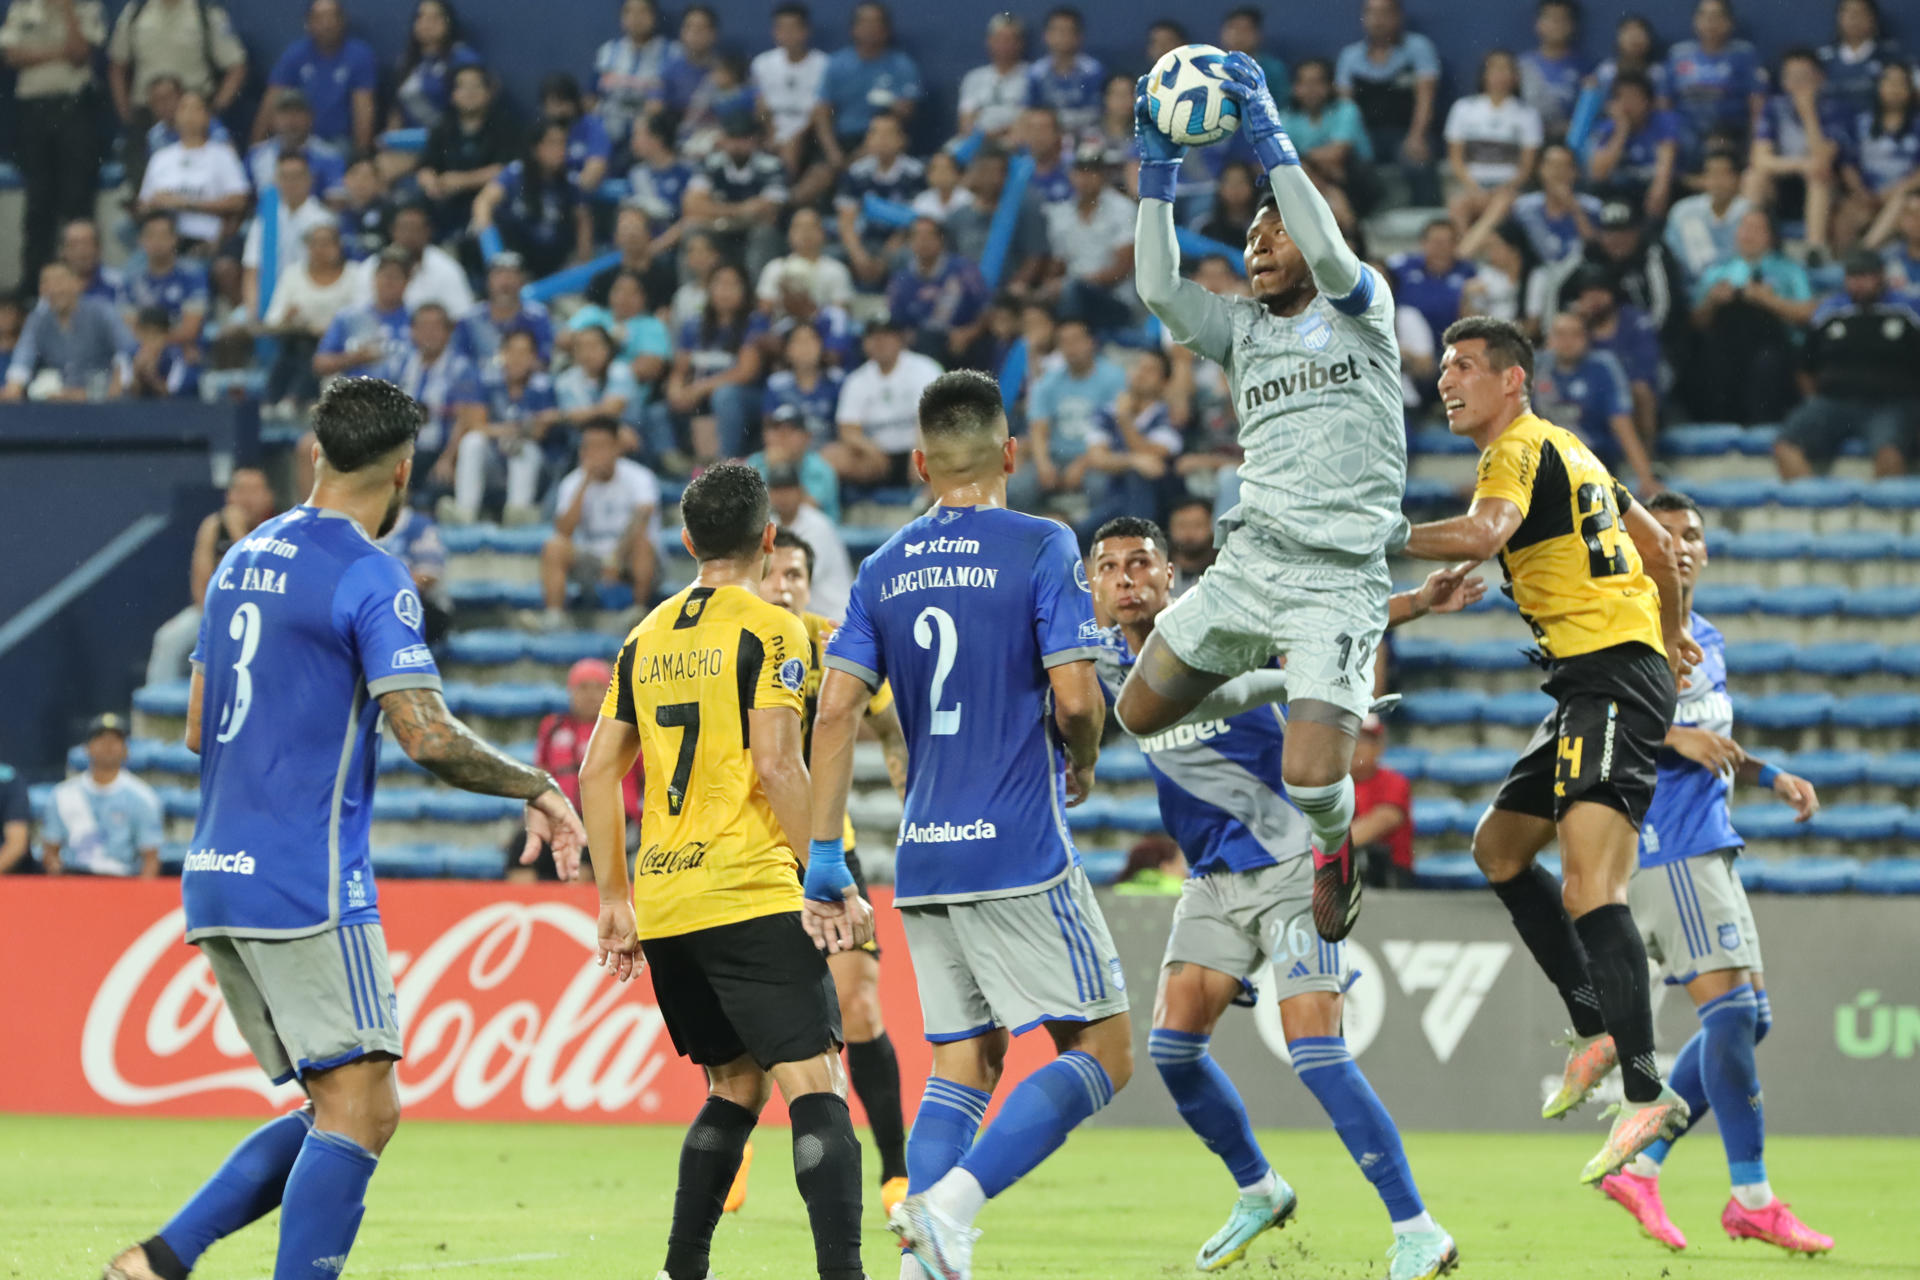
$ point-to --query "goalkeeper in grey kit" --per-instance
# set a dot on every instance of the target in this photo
(1315, 374)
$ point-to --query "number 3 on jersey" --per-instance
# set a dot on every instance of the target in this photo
(245, 628)
(935, 626)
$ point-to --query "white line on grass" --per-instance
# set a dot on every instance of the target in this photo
(450, 1263)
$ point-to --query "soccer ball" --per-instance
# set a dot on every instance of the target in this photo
(1183, 91)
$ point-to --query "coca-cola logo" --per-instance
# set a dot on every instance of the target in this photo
(504, 1009)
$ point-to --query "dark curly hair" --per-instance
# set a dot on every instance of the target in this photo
(725, 511)
(361, 420)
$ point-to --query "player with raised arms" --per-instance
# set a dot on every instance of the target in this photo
(1597, 579)
(310, 639)
(1315, 375)
(708, 687)
(1243, 913)
(982, 621)
(1693, 916)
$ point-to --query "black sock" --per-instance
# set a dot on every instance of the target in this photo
(1618, 961)
(826, 1169)
(875, 1073)
(709, 1158)
(161, 1259)
(1533, 900)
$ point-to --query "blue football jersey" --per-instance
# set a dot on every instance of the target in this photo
(1689, 814)
(306, 622)
(963, 611)
(1219, 783)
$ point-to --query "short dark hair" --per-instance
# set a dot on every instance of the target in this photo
(1634, 79)
(799, 11)
(725, 511)
(361, 420)
(561, 85)
(787, 538)
(1070, 13)
(1571, 6)
(963, 402)
(294, 157)
(1178, 31)
(601, 422)
(1672, 500)
(1133, 527)
(1506, 344)
(1802, 53)
(158, 215)
(1191, 500)
(1247, 13)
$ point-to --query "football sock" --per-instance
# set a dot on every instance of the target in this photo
(1617, 959)
(1684, 1079)
(709, 1159)
(826, 1169)
(321, 1209)
(1533, 900)
(1039, 1115)
(1328, 810)
(1762, 1014)
(1326, 1067)
(246, 1187)
(1733, 1086)
(1208, 1102)
(949, 1116)
(875, 1074)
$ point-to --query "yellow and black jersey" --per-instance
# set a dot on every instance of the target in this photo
(687, 679)
(1571, 566)
(819, 631)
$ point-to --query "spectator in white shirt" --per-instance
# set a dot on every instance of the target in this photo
(312, 290)
(1090, 238)
(605, 526)
(788, 78)
(806, 245)
(832, 566)
(200, 181)
(880, 410)
(437, 275)
(297, 212)
(993, 96)
(944, 195)
(1492, 140)
(1700, 227)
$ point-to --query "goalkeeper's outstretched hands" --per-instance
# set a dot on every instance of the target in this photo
(1160, 156)
(1242, 80)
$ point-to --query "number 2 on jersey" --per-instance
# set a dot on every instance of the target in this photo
(245, 628)
(1598, 517)
(935, 626)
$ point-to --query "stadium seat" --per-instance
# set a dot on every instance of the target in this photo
(465, 539)
(1884, 602)
(1900, 493)
(1811, 875)
(443, 804)
(1762, 544)
(1474, 768)
(1902, 660)
(862, 540)
(1425, 492)
(1852, 658)
(1826, 769)
(1424, 652)
(564, 648)
(1437, 815)
(1123, 762)
(1139, 814)
(1411, 762)
(1716, 598)
(1442, 706)
(1701, 440)
(1810, 600)
(1447, 871)
(408, 861)
(179, 802)
(1103, 866)
(1899, 769)
(1760, 658)
(1873, 711)
(1851, 823)
(1734, 495)
(1757, 442)
(1769, 821)
(470, 862)
(1819, 493)
(39, 796)
(398, 804)
(476, 593)
(1521, 709)
(394, 758)
(522, 540)
(1752, 872)
(1785, 710)
(169, 699)
(1854, 545)
(1888, 876)
(486, 647)
(1491, 655)
(1438, 442)
(511, 701)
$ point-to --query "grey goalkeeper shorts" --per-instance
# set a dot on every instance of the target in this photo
(1235, 922)
(1694, 917)
(309, 1004)
(1014, 962)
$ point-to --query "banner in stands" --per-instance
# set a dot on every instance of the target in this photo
(508, 1017)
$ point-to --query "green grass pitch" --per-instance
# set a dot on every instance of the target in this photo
(564, 1202)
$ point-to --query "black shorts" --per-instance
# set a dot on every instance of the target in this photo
(1600, 741)
(900, 474)
(755, 987)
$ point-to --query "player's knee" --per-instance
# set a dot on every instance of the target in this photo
(1584, 889)
(750, 1092)
(860, 1016)
(1310, 772)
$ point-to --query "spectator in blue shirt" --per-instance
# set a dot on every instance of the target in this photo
(71, 347)
(884, 171)
(176, 285)
(509, 446)
(1616, 325)
(1068, 80)
(434, 52)
(1062, 412)
(688, 60)
(1588, 392)
(1857, 56)
(796, 304)
(293, 132)
(1636, 49)
(375, 331)
(641, 341)
(1635, 148)
(1558, 218)
(807, 385)
(1551, 71)
(158, 369)
(535, 206)
(867, 78)
(658, 181)
(1393, 75)
(1883, 163)
(588, 149)
(626, 69)
(447, 384)
(789, 446)
(415, 542)
(1330, 136)
(336, 71)
(1041, 138)
(712, 389)
(1717, 81)
(366, 213)
(1749, 311)
(106, 821)
(940, 299)
(1431, 280)
(1796, 142)
(481, 331)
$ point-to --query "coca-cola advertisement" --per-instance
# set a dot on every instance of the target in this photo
(506, 1013)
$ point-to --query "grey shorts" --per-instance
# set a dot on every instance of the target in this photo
(308, 1004)
(1823, 423)
(1694, 917)
(1235, 922)
(1265, 596)
(1014, 962)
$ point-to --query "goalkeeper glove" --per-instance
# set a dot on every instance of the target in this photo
(1244, 82)
(1160, 156)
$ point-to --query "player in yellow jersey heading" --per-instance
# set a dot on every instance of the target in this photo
(1596, 577)
(709, 687)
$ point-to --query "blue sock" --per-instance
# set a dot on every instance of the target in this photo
(245, 1188)
(949, 1116)
(1039, 1115)
(1733, 1082)
(1763, 1015)
(1684, 1079)
(1326, 1067)
(321, 1210)
(1208, 1102)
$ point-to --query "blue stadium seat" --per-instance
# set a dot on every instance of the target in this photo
(1768, 821)
(1897, 494)
(393, 757)
(1853, 658)
(516, 700)
(862, 540)
(1812, 875)
(1701, 440)
(1714, 598)
(1090, 814)
(1752, 872)
(448, 805)
(173, 856)
(1826, 769)
(1809, 600)
(1424, 652)
(1902, 660)
(408, 861)
(465, 539)
(1899, 769)
(1408, 761)
(1759, 658)
(476, 593)
(896, 496)
(522, 540)
(1762, 544)
(1734, 495)
(1491, 655)
(171, 757)
(77, 759)
(487, 647)
(1877, 711)
(1854, 545)
(1757, 442)
(1438, 441)
(564, 648)
(1819, 492)
(1884, 602)
(1123, 762)
(467, 862)
(1852, 822)
(1134, 813)
(1521, 709)
(1443, 706)
(1103, 866)
(169, 699)
(1888, 875)
(1447, 871)
(1476, 768)
(398, 804)
(179, 802)
(1425, 492)
(1437, 815)
(1785, 710)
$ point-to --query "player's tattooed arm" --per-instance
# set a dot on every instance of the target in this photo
(436, 740)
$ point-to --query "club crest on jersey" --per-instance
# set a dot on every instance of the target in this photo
(1080, 576)
(1730, 937)
(1119, 975)
(1314, 332)
(793, 674)
(406, 607)
(693, 606)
